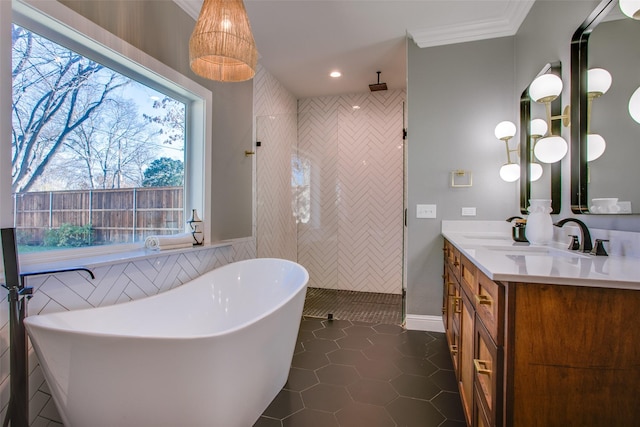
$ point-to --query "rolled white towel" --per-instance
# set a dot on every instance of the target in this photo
(175, 241)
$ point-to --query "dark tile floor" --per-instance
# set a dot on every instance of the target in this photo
(350, 374)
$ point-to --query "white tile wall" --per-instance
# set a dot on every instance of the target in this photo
(353, 237)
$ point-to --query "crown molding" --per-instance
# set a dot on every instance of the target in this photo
(502, 26)
(191, 7)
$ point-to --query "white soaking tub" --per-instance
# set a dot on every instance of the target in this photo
(212, 352)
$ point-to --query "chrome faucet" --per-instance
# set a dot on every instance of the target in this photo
(585, 236)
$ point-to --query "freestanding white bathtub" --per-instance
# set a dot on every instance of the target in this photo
(212, 352)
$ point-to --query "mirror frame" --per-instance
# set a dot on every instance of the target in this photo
(579, 69)
(526, 149)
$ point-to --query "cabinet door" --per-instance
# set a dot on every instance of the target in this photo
(452, 257)
(449, 293)
(466, 355)
(489, 368)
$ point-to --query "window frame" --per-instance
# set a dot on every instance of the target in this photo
(62, 25)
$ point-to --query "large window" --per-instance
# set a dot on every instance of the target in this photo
(99, 151)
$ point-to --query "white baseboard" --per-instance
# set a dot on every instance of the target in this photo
(419, 322)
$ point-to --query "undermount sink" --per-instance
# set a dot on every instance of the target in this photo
(535, 250)
(487, 237)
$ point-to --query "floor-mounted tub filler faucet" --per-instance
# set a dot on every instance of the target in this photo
(18, 410)
(585, 244)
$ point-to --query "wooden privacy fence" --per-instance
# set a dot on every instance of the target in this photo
(116, 216)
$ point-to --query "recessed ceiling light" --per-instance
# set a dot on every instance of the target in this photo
(335, 74)
(356, 107)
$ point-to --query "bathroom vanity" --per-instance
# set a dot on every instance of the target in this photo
(541, 336)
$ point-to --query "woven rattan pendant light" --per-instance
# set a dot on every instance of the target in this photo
(221, 46)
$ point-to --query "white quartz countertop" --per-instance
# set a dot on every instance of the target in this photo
(488, 244)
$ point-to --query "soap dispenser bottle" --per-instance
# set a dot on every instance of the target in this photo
(539, 229)
(518, 225)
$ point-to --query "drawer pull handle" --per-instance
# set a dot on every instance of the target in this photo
(454, 349)
(482, 367)
(455, 301)
(456, 263)
(484, 299)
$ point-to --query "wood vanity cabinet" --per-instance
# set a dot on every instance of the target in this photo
(528, 354)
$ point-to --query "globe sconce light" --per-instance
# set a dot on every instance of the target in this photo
(504, 131)
(634, 105)
(631, 8)
(545, 89)
(598, 83)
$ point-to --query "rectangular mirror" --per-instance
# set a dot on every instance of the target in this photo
(604, 136)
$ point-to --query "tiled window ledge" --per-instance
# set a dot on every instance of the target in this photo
(100, 260)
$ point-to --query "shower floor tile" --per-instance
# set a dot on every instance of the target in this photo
(355, 306)
(348, 373)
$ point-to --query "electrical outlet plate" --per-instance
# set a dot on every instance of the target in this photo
(468, 211)
(425, 211)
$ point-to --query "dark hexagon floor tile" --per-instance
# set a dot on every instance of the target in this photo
(329, 333)
(304, 336)
(419, 336)
(337, 324)
(450, 405)
(409, 412)
(285, 403)
(388, 329)
(311, 324)
(414, 386)
(337, 374)
(416, 366)
(267, 422)
(354, 342)
(413, 348)
(326, 397)
(452, 423)
(345, 356)
(310, 418)
(300, 379)
(382, 352)
(309, 360)
(445, 379)
(360, 330)
(386, 339)
(320, 345)
(370, 391)
(442, 361)
(378, 370)
(361, 414)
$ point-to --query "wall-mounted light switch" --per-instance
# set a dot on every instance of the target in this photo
(425, 211)
(468, 211)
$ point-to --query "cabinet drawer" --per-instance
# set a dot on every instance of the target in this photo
(488, 366)
(468, 277)
(489, 298)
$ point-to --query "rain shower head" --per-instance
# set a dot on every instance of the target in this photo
(378, 86)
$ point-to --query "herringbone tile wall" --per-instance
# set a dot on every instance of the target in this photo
(353, 235)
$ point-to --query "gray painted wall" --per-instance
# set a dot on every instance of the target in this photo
(162, 30)
(456, 95)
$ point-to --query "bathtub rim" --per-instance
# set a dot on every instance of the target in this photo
(36, 319)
